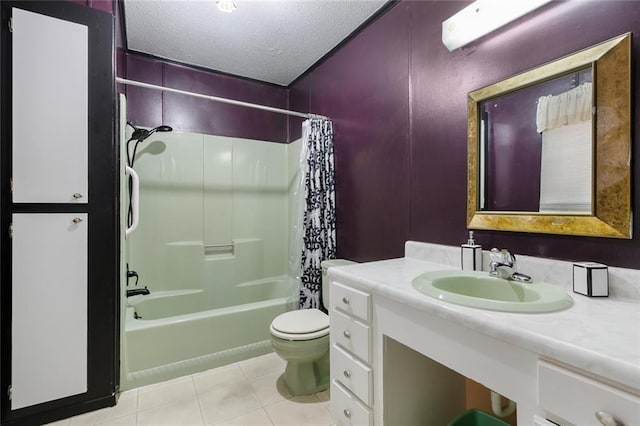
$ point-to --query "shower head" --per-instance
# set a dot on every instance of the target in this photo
(142, 134)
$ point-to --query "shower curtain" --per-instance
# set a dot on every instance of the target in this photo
(319, 216)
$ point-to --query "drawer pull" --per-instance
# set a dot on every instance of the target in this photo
(77, 195)
(346, 334)
(607, 419)
(346, 373)
(77, 220)
(345, 300)
(346, 413)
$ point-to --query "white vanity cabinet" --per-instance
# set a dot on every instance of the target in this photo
(405, 358)
(351, 371)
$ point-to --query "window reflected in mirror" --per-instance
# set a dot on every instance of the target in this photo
(536, 147)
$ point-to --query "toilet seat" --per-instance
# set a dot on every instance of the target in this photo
(303, 324)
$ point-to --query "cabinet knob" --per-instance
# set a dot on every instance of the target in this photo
(346, 413)
(607, 419)
(346, 373)
(77, 220)
(346, 334)
(77, 195)
(345, 300)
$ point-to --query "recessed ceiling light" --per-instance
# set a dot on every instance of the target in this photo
(227, 6)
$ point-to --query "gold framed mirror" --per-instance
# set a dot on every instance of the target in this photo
(582, 167)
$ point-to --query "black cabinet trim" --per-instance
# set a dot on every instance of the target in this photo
(66, 407)
(103, 210)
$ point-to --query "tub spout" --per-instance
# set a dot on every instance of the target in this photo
(138, 291)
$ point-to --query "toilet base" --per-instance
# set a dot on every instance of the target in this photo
(305, 378)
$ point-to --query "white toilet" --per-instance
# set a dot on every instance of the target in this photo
(302, 339)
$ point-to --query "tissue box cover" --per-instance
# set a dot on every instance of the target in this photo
(591, 279)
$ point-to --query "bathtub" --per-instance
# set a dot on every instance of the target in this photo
(173, 333)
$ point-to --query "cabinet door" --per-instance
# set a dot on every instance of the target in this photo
(49, 314)
(50, 109)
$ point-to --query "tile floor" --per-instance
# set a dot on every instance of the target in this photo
(249, 393)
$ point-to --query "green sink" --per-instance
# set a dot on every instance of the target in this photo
(479, 290)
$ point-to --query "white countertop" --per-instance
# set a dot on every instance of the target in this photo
(600, 336)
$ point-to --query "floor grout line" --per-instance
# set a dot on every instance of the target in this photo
(204, 422)
(269, 417)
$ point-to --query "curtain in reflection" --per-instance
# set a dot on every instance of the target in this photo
(571, 107)
(319, 223)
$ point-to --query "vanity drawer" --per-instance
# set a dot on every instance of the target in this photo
(352, 301)
(350, 334)
(577, 398)
(346, 409)
(352, 374)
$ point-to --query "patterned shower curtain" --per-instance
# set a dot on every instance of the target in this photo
(319, 217)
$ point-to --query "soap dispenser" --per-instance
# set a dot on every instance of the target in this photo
(471, 258)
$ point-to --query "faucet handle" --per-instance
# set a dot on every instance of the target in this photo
(508, 257)
(496, 254)
(503, 256)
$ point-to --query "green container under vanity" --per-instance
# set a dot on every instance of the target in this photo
(475, 417)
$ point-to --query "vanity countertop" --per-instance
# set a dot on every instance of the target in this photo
(597, 335)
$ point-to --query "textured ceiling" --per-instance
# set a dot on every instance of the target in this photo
(268, 40)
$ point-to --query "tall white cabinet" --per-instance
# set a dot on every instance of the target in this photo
(59, 207)
(49, 163)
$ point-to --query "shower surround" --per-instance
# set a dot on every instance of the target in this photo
(212, 246)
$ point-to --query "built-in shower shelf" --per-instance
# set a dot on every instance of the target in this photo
(217, 251)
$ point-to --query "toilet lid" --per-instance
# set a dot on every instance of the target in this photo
(303, 321)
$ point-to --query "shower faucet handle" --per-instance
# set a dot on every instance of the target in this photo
(132, 274)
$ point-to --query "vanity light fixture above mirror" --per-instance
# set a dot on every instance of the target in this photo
(483, 17)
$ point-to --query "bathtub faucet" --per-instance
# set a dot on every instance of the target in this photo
(138, 291)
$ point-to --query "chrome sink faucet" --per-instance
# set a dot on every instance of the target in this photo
(503, 265)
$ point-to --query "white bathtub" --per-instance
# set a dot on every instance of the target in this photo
(169, 334)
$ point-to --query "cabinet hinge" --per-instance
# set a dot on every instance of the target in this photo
(11, 231)
(10, 25)
(10, 392)
(11, 183)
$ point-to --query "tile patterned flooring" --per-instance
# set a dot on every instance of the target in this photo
(250, 393)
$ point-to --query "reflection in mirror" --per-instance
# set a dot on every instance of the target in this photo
(536, 150)
(549, 150)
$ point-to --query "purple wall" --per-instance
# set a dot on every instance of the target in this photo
(364, 88)
(104, 5)
(187, 114)
(398, 99)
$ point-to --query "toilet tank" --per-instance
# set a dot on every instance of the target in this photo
(326, 264)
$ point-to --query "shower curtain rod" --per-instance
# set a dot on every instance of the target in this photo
(217, 99)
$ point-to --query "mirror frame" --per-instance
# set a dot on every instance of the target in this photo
(611, 207)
